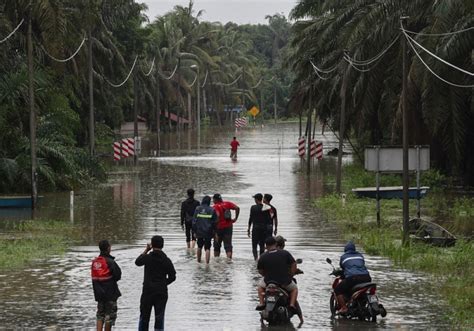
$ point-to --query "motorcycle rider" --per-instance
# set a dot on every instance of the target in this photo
(276, 266)
(280, 244)
(355, 272)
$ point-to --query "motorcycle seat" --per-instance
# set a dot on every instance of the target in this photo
(362, 285)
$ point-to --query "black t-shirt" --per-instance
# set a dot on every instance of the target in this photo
(188, 207)
(276, 266)
(258, 217)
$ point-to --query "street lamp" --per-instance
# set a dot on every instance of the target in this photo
(195, 66)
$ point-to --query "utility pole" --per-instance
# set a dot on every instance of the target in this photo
(406, 180)
(31, 94)
(91, 93)
(135, 114)
(342, 128)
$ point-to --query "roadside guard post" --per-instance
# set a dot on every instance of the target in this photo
(389, 160)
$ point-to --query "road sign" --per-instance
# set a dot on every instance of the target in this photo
(390, 159)
(254, 111)
(301, 146)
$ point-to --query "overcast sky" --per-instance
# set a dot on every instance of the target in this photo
(238, 11)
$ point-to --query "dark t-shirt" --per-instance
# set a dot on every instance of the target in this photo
(276, 266)
(188, 207)
(258, 217)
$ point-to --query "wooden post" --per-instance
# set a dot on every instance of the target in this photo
(31, 97)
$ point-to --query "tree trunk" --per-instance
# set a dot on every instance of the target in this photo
(342, 128)
(135, 115)
(158, 112)
(91, 94)
(31, 95)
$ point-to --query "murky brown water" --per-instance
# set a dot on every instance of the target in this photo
(57, 292)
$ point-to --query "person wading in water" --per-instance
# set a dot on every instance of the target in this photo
(234, 144)
(188, 207)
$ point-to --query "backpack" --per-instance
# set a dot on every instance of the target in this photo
(227, 215)
(100, 270)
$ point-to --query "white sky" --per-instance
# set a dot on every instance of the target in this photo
(238, 11)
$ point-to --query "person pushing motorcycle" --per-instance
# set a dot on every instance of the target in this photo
(355, 272)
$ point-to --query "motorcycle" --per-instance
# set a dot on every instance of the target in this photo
(277, 302)
(363, 303)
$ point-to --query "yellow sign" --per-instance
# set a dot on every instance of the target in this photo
(254, 111)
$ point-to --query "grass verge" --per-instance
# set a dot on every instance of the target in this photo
(30, 240)
(452, 268)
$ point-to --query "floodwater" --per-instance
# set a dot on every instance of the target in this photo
(56, 292)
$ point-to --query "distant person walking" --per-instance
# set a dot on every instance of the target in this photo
(105, 274)
(204, 226)
(258, 221)
(159, 273)
(188, 207)
(224, 224)
(272, 227)
(234, 144)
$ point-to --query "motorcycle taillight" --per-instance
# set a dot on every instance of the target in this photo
(372, 290)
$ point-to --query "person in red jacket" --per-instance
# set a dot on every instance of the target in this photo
(105, 274)
(234, 144)
(224, 224)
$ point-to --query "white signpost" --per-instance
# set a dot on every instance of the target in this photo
(390, 160)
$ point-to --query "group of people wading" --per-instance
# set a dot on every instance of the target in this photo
(203, 223)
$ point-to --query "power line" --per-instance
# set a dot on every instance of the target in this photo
(205, 78)
(195, 79)
(376, 57)
(128, 76)
(151, 68)
(13, 32)
(257, 84)
(172, 74)
(439, 34)
(347, 59)
(67, 59)
(434, 73)
(324, 71)
(317, 71)
(229, 84)
(437, 57)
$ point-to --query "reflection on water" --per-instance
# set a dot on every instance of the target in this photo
(129, 209)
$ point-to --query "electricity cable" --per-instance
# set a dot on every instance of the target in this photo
(195, 79)
(13, 32)
(317, 72)
(205, 79)
(437, 57)
(67, 59)
(434, 73)
(376, 57)
(324, 71)
(128, 76)
(439, 34)
(151, 69)
(229, 84)
(257, 84)
(172, 74)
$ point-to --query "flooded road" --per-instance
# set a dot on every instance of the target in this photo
(129, 210)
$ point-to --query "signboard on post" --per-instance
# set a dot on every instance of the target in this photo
(390, 159)
(254, 111)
